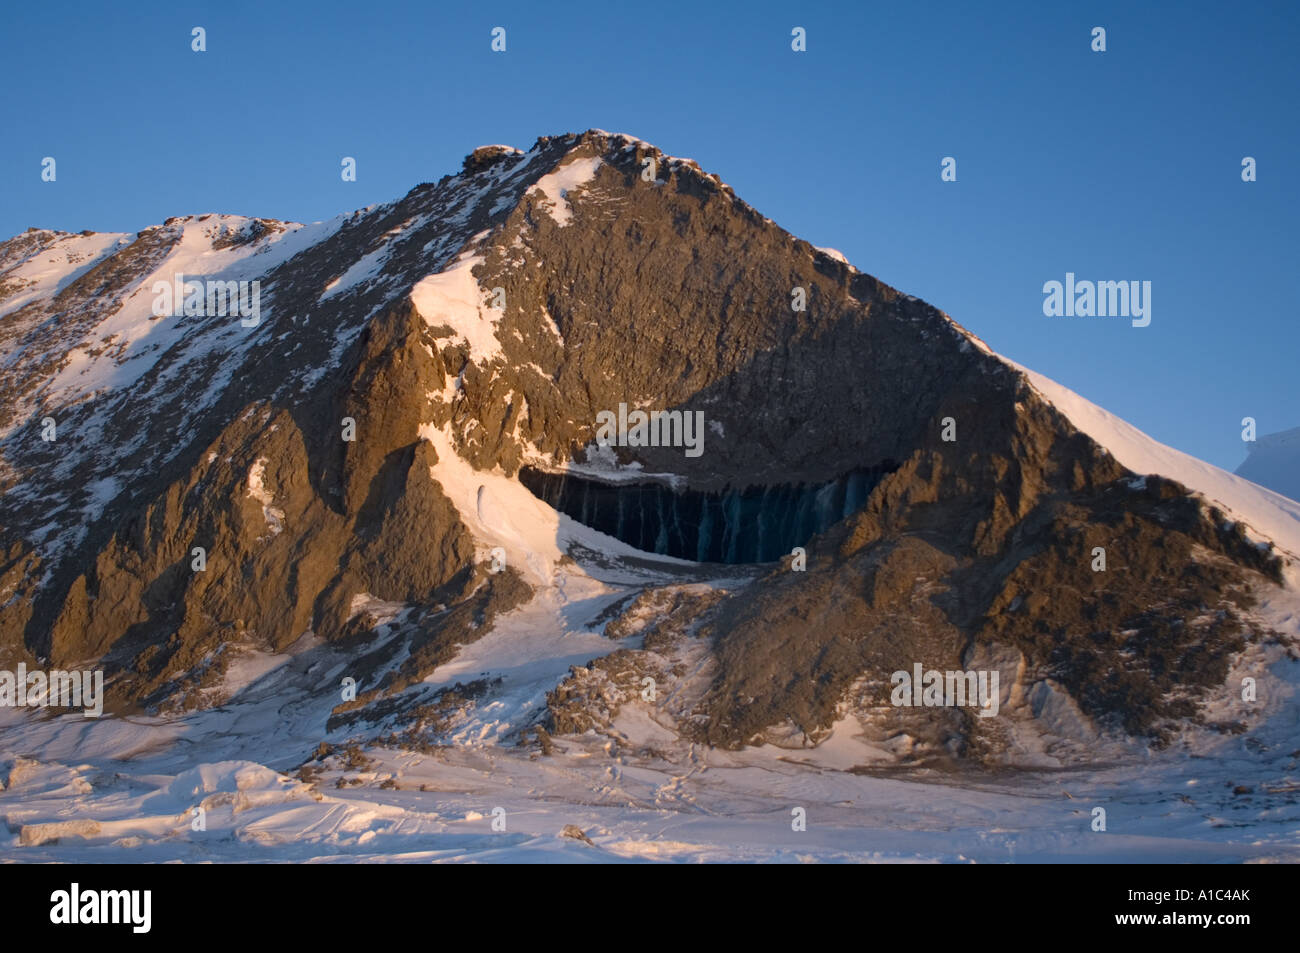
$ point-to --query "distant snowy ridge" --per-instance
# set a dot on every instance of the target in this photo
(1274, 462)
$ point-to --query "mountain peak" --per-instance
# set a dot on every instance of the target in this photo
(595, 373)
(485, 157)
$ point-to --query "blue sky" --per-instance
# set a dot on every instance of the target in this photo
(1123, 165)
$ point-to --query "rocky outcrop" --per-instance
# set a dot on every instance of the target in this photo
(507, 308)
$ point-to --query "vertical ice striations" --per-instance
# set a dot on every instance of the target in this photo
(750, 525)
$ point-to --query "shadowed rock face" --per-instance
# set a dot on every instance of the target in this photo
(1134, 644)
(948, 511)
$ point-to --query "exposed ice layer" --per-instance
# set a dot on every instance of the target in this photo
(756, 524)
(499, 511)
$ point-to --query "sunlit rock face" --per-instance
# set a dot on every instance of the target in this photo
(180, 490)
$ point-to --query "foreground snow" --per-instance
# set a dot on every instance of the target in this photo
(125, 789)
(721, 807)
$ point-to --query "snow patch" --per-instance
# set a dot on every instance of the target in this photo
(557, 185)
(452, 297)
(273, 515)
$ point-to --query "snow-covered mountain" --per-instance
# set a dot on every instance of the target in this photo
(1274, 462)
(373, 454)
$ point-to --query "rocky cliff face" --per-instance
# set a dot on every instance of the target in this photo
(321, 460)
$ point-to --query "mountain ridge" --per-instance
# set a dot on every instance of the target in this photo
(665, 291)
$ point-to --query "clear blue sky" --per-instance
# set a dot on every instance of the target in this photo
(1115, 165)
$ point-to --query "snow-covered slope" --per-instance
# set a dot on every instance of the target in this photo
(1269, 515)
(125, 345)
